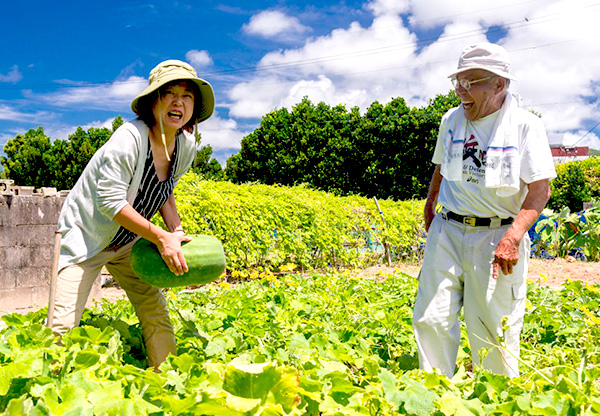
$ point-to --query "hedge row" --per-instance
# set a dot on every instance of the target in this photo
(270, 226)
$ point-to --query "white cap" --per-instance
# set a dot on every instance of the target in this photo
(487, 56)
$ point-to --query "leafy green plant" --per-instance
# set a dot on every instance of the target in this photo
(264, 226)
(298, 344)
(562, 233)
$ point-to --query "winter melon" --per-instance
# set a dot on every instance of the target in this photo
(204, 256)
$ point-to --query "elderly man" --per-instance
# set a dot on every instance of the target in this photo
(493, 165)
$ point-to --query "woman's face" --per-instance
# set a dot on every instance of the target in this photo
(174, 106)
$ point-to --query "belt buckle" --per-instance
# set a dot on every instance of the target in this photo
(495, 222)
(469, 221)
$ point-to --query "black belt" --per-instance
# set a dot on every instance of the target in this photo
(476, 221)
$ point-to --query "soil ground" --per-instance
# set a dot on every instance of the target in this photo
(551, 273)
(546, 272)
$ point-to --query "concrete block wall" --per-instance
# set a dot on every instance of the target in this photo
(27, 234)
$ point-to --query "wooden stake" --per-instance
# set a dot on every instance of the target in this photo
(53, 278)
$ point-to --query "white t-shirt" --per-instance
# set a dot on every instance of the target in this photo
(470, 196)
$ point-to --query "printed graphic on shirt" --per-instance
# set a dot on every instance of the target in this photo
(473, 161)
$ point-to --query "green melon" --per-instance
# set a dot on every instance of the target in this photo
(204, 256)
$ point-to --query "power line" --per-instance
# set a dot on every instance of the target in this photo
(582, 137)
(407, 45)
(366, 52)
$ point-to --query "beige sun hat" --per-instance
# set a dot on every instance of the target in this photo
(172, 70)
(487, 56)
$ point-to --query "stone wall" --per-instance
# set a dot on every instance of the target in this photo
(27, 235)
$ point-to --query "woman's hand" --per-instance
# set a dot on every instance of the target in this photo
(169, 246)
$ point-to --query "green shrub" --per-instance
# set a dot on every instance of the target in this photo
(269, 226)
(576, 182)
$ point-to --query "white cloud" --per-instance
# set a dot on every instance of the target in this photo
(581, 138)
(221, 134)
(257, 97)
(354, 66)
(273, 23)
(63, 131)
(15, 114)
(13, 76)
(198, 59)
(554, 47)
(354, 53)
(556, 62)
(433, 13)
(114, 96)
(388, 7)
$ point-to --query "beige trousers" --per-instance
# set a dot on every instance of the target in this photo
(75, 282)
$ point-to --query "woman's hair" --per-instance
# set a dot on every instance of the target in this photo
(144, 107)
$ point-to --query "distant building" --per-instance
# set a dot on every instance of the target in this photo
(564, 153)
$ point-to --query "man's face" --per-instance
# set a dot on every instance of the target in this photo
(484, 97)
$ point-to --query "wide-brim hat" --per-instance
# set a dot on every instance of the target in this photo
(487, 56)
(173, 70)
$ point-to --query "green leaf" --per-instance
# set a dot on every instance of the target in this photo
(251, 381)
(450, 405)
(86, 358)
(216, 347)
(416, 398)
(107, 392)
(177, 405)
(242, 404)
(176, 380)
(550, 403)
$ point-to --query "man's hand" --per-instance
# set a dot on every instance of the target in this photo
(507, 252)
(506, 256)
(428, 214)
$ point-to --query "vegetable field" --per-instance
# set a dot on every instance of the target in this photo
(289, 343)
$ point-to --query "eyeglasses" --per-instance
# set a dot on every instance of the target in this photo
(466, 84)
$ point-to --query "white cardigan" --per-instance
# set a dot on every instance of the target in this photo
(108, 183)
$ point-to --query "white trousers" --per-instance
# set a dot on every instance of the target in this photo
(73, 287)
(457, 273)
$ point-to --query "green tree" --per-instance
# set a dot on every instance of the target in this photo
(310, 145)
(32, 159)
(384, 153)
(117, 122)
(71, 156)
(27, 158)
(576, 182)
(206, 166)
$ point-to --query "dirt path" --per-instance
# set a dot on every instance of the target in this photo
(547, 272)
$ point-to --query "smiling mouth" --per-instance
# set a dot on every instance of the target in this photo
(175, 114)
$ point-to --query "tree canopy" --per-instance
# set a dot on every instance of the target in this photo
(33, 159)
(385, 153)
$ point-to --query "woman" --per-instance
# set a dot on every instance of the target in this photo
(125, 183)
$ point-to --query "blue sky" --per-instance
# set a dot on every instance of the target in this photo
(69, 64)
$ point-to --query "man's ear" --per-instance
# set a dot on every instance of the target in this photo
(500, 84)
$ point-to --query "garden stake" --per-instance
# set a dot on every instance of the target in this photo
(385, 244)
(53, 278)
